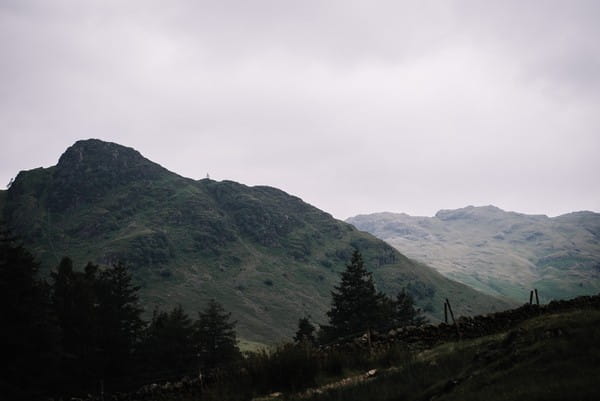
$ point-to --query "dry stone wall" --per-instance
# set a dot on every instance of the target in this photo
(466, 328)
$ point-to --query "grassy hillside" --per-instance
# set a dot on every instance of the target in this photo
(501, 253)
(267, 256)
(551, 357)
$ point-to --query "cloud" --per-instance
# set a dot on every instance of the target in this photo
(354, 106)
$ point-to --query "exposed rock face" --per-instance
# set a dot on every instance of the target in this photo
(91, 168)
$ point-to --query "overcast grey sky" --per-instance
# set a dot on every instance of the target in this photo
(354, 106)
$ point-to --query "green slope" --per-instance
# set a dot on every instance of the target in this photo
(500, 253)
(551, 357)
(267, 256)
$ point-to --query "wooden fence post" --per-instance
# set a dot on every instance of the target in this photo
(530, 297)
(537, 299)
(453, 320)
(445, 312)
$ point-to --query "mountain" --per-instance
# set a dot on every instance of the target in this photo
(267, 256)
(501, 253)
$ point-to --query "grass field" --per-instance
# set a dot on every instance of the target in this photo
(554, 357)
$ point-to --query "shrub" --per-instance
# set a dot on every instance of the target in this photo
(287, 368)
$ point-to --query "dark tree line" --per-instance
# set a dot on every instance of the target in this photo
(100, 321)
(84, 331)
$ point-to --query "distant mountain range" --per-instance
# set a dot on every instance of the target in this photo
(500, 253)
(267, 256)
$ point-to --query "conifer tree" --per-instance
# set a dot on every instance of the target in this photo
(216, 337)
(356, 305)
(406, 314)
(29, 338)
(75, 301)
(120, 319)
(168, 343)
(101, 322)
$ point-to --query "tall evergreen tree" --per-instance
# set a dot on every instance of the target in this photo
(101, 322)
(29, 336)
(168, 346)
(75, 300)
(216, 337)
(356, 305)
(119, 316)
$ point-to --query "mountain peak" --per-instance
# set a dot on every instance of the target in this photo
(90, 168)
(97, 152)
(469, 212)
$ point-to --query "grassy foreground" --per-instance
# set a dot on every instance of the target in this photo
(552, 357)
